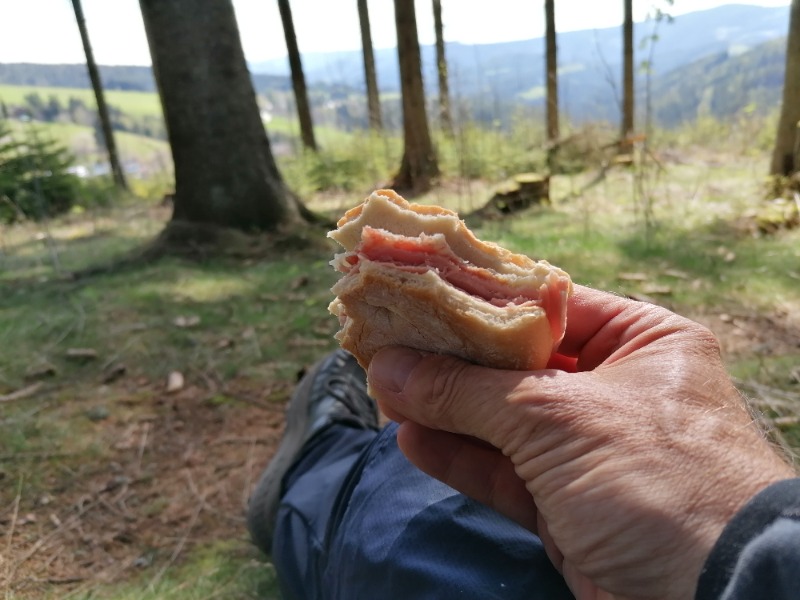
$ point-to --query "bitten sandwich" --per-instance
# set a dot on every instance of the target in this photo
(416, 276)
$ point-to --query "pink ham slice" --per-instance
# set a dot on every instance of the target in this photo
(431, 252)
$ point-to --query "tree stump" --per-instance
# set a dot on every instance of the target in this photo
(526, 190)
(623, 160)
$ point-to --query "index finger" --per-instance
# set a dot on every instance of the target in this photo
(599, 323)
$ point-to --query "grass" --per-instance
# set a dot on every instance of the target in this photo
(239, 331)
(137, 104)
(222, 570)
(225, 298)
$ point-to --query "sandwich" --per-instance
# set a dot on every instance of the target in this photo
(416, 276)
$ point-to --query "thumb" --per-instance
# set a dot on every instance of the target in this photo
(444, 392)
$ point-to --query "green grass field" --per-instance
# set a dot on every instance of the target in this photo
(137, 104)
(81, 139)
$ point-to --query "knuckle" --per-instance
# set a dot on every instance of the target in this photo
(446, 387)
(706, 339)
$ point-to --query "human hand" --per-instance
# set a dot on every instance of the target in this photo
(627, 457)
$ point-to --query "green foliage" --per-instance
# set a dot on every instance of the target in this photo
(34, 178)
(750, 133)
(356, 161)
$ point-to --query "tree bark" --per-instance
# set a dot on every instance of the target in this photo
(225, 173)
(445, 115)
(373, 101)
(784, 159)
(628, 107)
(551, 65)
(419, 166)
(298, 78)
(102, 109)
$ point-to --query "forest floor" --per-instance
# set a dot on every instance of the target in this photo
(139, 407)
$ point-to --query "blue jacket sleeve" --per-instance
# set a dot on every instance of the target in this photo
(758, 553)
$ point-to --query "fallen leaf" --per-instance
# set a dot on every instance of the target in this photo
(175, 382)
(81, 353)
(655, 288)
(633, 276)
(677, 274)
(186, 321)
(726, 254)
(25, 392)
(786, 421)
(29, 518)
(113, 372)
(41, 370)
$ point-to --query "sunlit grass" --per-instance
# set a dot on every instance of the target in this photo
(136, 104)
(227, 569)
(81, 141)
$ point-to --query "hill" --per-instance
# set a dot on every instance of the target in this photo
(723, 84)
(121, 78)
(713, 62)
(493, 76)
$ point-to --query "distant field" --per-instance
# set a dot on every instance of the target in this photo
(142, 104)
(80, 139)
(137, 104)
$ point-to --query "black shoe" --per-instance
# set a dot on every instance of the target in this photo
(333, 391)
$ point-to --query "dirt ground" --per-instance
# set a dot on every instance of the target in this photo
(177, 473)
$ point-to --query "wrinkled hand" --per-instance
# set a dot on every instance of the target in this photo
(627, 457)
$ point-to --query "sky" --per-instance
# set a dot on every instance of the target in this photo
(44, 31)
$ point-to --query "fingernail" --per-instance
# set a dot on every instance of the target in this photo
(390, 368)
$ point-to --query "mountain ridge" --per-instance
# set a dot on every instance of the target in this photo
(713, 62)
(589, 60)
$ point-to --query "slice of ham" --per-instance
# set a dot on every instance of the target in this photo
(432, 253)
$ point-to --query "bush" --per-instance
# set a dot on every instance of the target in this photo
(358, 161)
(34, 178)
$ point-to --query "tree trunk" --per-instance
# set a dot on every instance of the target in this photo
(298, 79)
(102, 110)
(225, 173)
(419, 166)
(373, 102)
(445, 116)
(784, 159)
(551, 64)
(626, 132)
